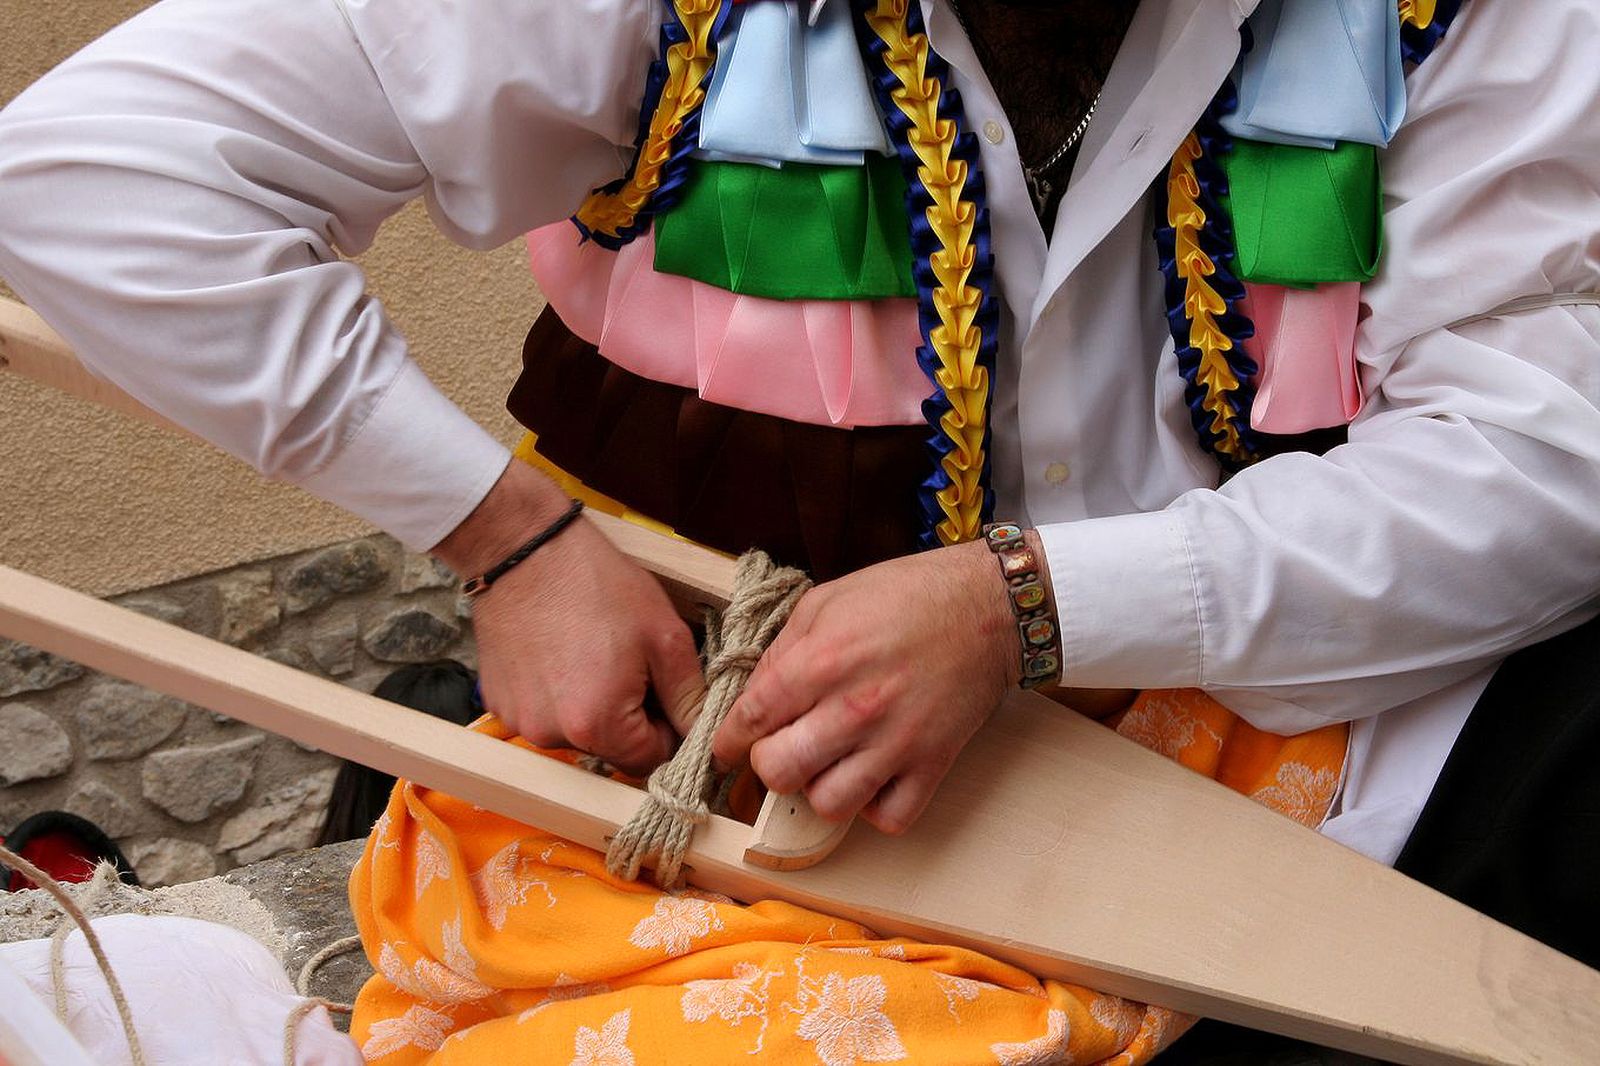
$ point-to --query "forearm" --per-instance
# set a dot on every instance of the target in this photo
(1455, 527)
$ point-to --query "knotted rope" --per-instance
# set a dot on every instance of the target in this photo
(680, 790)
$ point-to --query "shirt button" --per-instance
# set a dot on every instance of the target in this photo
(992, 132)
(1056, 473)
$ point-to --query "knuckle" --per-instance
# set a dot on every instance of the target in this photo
(585, 731)
(775, 768)
(674, 640)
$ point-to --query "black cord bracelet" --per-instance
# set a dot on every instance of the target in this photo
(477, 586)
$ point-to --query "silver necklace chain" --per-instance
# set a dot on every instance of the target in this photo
(1039, 186)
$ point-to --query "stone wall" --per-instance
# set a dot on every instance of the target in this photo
(187, 793)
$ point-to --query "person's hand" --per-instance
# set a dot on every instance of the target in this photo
(572, 640)
(876, 683)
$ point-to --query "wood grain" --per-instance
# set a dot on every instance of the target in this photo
(1054, 844)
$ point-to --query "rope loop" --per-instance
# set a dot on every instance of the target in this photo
(680, 791)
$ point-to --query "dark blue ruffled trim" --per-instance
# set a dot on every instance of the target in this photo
(923, 244)
(1417, 45)
(1217, 241)
(676, 170)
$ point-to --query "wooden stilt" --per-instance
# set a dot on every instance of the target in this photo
(1053, 844)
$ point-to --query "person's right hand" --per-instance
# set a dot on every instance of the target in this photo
(573, 639)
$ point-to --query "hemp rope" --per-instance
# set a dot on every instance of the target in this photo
(680, 790)
(65, 901)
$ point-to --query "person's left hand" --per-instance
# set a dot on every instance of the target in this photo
(876, 683)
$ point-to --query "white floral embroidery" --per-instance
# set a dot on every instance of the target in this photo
(566, 987)
(848, 1025)
(455, 954)
(1047, 1050)
(1158, 725)
(380, 833)
(1301, 793)
(501, 885)
(674, 924)
(958, 988)
(418, 1027)
(432, 861)
(608, 1047)
(429, 980)
(884, 951)
(1158, 1028)
(1118, 1015)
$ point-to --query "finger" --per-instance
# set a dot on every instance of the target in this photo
(675, 675)
(788, 681)
(626, 737)
(901, 801)
(850, 784)
(788, 759)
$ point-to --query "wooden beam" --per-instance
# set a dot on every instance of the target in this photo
(1054, 844)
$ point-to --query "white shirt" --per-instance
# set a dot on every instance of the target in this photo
(175, 198)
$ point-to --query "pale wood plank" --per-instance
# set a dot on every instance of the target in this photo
(1054, 844)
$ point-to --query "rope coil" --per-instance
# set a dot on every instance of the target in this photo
(680, 792)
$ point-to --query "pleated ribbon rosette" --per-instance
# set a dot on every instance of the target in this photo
(1320, 72)
(787, 92)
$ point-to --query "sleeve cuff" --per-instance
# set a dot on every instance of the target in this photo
(417, 466)
(1127, 602)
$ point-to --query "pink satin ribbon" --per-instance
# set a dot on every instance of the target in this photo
(826, 362)
(1305, 347)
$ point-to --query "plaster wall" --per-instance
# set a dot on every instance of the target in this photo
(104, 504)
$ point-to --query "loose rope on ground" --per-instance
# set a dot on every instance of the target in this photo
(65, 901)
(681, 789)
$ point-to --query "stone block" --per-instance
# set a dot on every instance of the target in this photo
(248, 606)
(110, 810)
(287, 819)
(32, 745)
(333, 648)
(24, 668)
(337, 571)
(193, 783)
(425, 572)
(168, 861)
(410, 635)
(117, 720)
(157, 607)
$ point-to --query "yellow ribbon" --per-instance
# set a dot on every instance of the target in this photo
(957, 339)
(688, 62)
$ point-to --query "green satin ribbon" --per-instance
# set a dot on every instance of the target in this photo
(1304, 216)
(796, 232)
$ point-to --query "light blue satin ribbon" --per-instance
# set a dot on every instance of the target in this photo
(1321, 71)
(784, 91)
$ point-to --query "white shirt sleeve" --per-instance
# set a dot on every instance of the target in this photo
(176, 199)
(1462, 519)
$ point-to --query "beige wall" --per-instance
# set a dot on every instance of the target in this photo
(102, 503)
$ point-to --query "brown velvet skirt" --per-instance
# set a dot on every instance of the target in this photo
(824, 499)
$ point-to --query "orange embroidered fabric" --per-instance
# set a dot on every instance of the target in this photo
(495, 942)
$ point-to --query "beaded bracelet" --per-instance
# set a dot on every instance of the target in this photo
(1036, 617)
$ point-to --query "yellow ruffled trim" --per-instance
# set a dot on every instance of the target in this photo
(1417, 12)
(1201, 302)
(688, 62)
(957, 339)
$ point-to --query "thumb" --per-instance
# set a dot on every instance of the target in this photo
(676, 679)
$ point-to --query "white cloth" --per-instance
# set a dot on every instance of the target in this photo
(199, 993)
(172, 199)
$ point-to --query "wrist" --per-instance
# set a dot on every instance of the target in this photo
(521, 501)
(1024, 578)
